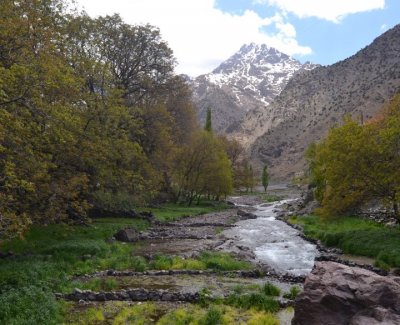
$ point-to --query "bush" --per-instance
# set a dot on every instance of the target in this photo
(212, 317)
(29, 305)
(293, 293)
(270, 290)
(114, 202)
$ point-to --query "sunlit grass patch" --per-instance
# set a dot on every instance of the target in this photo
(223, 262)
(217, 315)
(356, 236)
(292, 293)
(115, 313)
(172, 212)
(270, 290)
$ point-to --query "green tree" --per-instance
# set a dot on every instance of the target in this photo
(251, 178)
(265, 178)
(91, 114)
(208, 125)
(358, 163)
(203, 168)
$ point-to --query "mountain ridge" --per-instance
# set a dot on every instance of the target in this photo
(316, 100)
(250, 79)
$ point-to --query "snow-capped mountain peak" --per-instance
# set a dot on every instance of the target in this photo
(258, 68)
(252, 77)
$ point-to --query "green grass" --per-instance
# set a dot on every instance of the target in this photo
(49, 256)
(207, 260)
(270, 290)
(222, 262)
(257, 300)
(261, 300)
(172, 212)
(356, 236)
(216, 315)
(270, 197)
(98, 284)
(293, 293)
(264, 196)
(119, 313)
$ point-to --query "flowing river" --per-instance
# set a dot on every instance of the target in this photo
(274, 242)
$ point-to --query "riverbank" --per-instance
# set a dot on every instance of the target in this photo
(46, 259)
(356, 236)
(53, 262)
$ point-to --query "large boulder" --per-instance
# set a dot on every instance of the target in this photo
(336, 294)
(127, 235)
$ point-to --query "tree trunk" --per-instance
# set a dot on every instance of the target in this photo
(395, 205)
(396, 209)
(191, 198)
(178, 196)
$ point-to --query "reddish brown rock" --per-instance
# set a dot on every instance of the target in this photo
(336, 294)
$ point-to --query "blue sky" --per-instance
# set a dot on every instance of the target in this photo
(330, 41)
(203, 33)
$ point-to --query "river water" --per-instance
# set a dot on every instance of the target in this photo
(274, 242)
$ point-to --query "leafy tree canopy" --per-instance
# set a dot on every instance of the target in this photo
(357, 163)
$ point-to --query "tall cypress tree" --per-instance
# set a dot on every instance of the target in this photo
(208, 125)
(264, 178)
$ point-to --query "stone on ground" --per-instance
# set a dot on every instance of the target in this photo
(336, 294)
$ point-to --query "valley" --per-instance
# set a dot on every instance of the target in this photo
(295, 105)
(264, 190)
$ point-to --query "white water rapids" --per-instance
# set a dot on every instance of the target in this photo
(274, 242)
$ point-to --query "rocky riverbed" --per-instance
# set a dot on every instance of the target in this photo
(187, 238)
(251, 230)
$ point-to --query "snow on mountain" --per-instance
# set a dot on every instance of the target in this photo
(249, 79)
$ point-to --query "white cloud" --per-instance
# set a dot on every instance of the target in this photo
(331, 10)
(201, 35)
(384, 27)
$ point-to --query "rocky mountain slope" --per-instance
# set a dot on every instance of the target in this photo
(248, 80)
(315, 100)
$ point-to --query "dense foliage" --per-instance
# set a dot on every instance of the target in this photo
(359, 163)
(91, 114)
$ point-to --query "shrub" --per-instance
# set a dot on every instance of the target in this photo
(212, 317)
(29, 305)
(270, 290)
(293, 293)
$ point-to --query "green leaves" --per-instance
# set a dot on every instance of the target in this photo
(85, 108)
(203, 168)
(356, 163)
